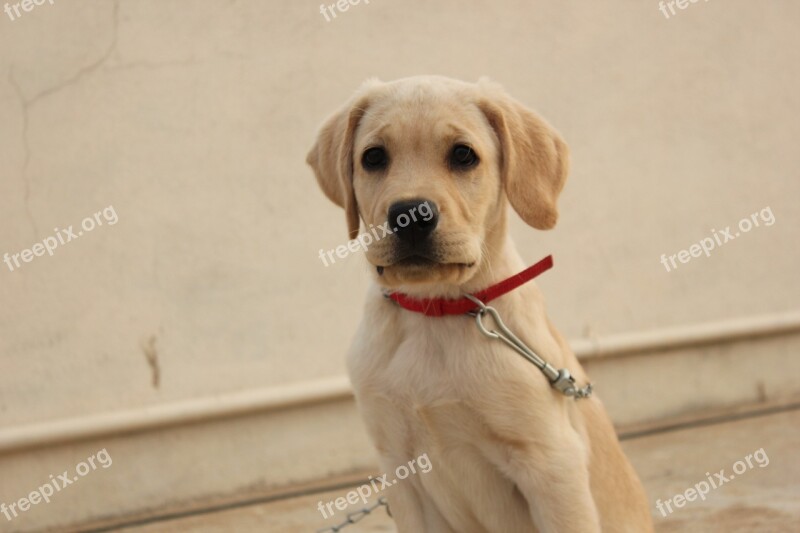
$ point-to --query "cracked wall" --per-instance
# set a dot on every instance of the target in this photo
(193, 120)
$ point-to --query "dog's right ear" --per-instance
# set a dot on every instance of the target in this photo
(331, 157)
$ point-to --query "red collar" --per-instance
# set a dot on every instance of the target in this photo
(442, 306)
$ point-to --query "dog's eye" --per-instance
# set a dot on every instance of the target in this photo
(462, 156)
(375, 159)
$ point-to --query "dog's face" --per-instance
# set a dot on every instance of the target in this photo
(427, 164)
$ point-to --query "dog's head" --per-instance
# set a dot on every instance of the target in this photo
(427, 163)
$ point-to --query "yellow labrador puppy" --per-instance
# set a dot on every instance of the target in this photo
(432, 163)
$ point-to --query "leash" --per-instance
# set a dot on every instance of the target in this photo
(356, 516)
(561, 379)
(475, 305)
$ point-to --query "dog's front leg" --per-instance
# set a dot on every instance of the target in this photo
(554, 478)
(406, 503)
(406, 508)
(537, 448)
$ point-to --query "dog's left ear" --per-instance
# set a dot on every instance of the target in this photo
(534, 158)
(331, 157)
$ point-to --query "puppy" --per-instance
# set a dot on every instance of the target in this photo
(437, 161)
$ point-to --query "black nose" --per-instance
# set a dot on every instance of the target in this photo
(413, 220)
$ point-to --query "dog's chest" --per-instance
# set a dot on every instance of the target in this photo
(421, 392)
(417, 368)
(429, 358)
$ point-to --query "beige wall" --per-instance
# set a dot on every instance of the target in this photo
(193, 119)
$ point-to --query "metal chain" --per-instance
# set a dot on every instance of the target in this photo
(352, 518)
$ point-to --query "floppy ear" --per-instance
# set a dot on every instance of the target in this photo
(534, 158)
(331, 157)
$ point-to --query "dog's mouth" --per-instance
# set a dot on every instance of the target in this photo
(420, 262)
(416, 260)
(450, 260)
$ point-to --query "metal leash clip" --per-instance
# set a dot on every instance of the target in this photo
(560, 380)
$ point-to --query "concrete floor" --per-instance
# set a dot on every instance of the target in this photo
(760, 499)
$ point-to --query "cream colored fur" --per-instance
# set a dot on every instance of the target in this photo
(509, 453)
